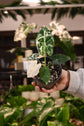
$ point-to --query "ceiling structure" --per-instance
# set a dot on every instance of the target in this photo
(58, 8)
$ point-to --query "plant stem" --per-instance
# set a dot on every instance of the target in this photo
(45, 59)
(45, 51)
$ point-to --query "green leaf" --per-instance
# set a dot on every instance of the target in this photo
(16, 101)
(67, 47)
(30, 12)
(37, 10)
(19, 12)
(81, 110)
(54, 13)
(55, 123)
(27, 118)
(46, 10)
(74, 12)
(13, 117)
(59, 58)
(61, 12)
(1, 120)
(45, 74)
(44, 109)
(65, 113)
(45, 42)
(13, 15)
(51, 123)
(1, 18)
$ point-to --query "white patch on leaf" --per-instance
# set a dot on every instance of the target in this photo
(33, 69)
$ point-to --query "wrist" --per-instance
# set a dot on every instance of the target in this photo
(67, 80)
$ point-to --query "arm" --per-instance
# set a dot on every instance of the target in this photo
(70, 81)
(76, 83)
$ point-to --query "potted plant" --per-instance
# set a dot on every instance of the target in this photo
(19, 52)
(47, 69)
(20, 34)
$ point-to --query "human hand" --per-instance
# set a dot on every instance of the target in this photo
(61, 84)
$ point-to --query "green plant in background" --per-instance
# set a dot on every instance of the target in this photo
(57, 12)
(61, 12)
(45, 112)
(11, 110)
(17, 91)
(76, 105)
(19, 51)
(63, 39)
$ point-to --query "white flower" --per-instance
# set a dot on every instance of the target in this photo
(19, 36)
(23, 31)
(33, 69)
(60, 31)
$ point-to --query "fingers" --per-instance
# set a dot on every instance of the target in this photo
(43, 89)
(37, 87)
(46, 90)
(33, 83)
(49, 90)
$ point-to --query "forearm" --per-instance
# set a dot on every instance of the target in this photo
(76, 83)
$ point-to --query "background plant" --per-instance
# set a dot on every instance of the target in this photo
(45, 111)
(57, 12)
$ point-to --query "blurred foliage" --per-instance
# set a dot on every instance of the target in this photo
(58, 12)
(17, 91)
(45, 112)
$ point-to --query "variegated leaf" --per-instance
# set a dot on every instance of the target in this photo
(33, 56)
(45, 42)
(33, 69)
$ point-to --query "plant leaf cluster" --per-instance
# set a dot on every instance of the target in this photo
(45, 46)
(67, 47)
(61, 12)
(12, 14)
(45, 111)
(18, 51)
(58, 12)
